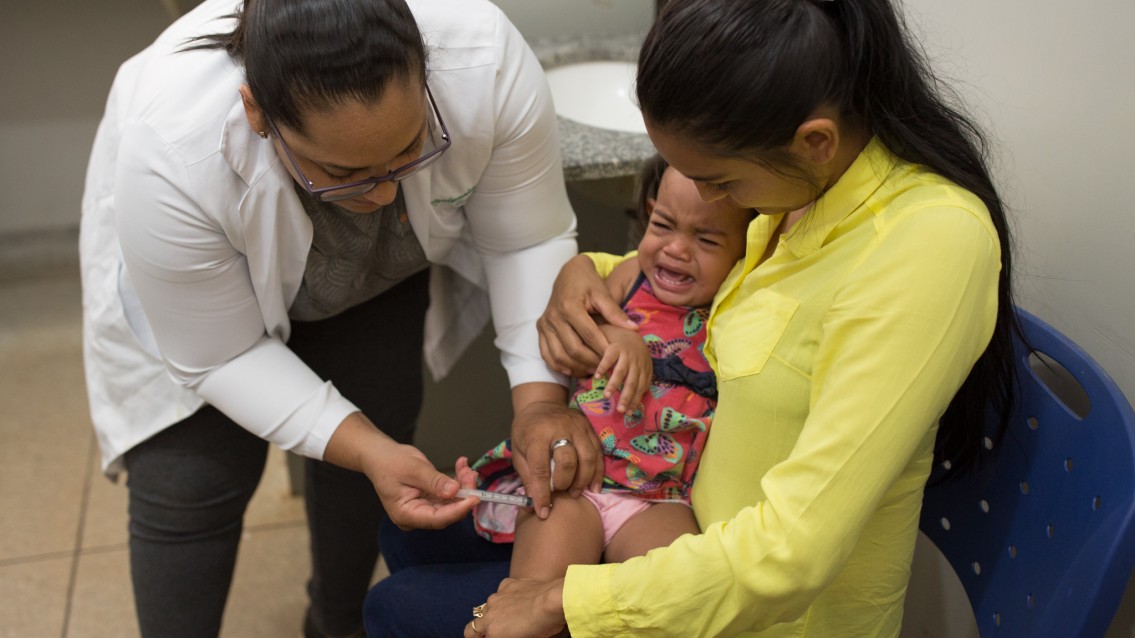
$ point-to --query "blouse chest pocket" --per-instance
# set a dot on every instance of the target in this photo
(745, 335)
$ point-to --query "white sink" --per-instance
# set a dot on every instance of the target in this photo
(599, 94)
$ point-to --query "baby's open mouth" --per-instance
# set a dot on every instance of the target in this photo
(672, 277)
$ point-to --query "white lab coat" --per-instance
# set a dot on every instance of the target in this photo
(193, 242)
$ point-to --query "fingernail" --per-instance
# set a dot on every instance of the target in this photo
(545, 512)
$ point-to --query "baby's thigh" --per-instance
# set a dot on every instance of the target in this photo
(656, 526)
(571, 535)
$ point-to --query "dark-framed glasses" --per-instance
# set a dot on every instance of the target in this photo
(351, 190)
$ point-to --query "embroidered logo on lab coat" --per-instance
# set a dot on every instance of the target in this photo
(456, 202)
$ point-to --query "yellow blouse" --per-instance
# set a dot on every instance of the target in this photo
(835, 358)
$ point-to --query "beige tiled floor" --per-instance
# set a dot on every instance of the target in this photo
(64, 569)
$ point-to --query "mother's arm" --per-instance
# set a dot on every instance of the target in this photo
(570, 339)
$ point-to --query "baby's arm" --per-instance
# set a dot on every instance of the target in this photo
(631, 368)
(626, 358)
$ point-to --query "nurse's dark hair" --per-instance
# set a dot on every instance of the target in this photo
(740, 76)
(310, 55)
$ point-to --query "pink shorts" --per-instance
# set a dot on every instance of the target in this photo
(497, 522)
(615, 510)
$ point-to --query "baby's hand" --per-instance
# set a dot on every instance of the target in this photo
(631, 368)
(465, 475)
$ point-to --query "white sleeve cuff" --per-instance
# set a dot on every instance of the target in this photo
(272, 393)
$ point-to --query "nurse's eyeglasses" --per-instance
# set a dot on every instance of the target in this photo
(364, 186)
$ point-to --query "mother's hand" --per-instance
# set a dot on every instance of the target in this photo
(522, 609)
(570, 340)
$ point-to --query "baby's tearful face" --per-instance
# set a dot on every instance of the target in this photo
(690, 245)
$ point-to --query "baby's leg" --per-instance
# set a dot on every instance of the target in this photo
(656, 526)
(572, 534)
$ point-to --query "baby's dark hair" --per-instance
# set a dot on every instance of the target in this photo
(740, 76)
(648, 182)
(302, 55)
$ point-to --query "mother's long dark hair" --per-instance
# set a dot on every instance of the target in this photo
(741, 75)
(301, 55)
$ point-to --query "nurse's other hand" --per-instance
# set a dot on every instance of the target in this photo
(537, 428)
(570, 340)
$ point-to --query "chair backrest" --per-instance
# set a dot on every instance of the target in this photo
(1043, 537)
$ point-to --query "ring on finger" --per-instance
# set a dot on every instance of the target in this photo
(473, 626)
(479, 610)
(560, 443)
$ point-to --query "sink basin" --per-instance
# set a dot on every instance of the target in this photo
(598, 94)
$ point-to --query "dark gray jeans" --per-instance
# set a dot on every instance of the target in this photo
(189, 485)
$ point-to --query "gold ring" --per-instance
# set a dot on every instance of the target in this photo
(479, 610)
(473, 626)
(560, 443)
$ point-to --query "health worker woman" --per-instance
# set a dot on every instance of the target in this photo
(286, 201)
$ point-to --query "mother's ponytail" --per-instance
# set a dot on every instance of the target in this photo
(741, 75)
(916, 116)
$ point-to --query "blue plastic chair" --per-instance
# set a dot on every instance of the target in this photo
(1043, 537)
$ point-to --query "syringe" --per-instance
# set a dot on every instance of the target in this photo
(496, 497)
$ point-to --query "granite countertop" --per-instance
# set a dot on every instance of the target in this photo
(590, 152)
